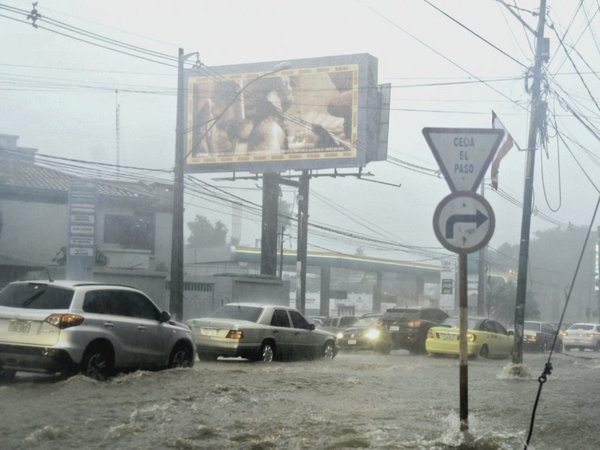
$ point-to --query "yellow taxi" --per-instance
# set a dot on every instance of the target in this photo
(486, 338)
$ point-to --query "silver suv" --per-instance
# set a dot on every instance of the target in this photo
(90, 328)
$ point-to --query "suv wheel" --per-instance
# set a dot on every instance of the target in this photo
(329, 350)
(7, 374)
(97, 362)
(181, 356)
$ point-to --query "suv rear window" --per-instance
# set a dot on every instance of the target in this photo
(35, 296)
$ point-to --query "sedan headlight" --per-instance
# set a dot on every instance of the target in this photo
(373, 334)
(340, 335)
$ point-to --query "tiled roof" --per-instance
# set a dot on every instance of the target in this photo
(25, 175)
(6, 260)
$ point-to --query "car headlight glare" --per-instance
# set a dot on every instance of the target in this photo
(471, 337)
(373, 334)
(340, 335)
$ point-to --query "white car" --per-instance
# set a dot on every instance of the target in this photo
(260, 332)
(92, 328)
(582, 336)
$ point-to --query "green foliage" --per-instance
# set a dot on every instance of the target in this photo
(204, 234)
(553, 257)
(284, 215)
(501, 299)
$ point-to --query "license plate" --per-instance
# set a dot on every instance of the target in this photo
(208, 331)
(394, 328)
(19, 326)
(351, 341)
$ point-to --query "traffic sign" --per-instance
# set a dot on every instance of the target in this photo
(464, 222)
(463, 154)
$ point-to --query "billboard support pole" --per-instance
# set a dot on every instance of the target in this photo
(268, 241)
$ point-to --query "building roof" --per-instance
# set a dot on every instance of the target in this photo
(340, 260)
(10, 261)
(24, 176)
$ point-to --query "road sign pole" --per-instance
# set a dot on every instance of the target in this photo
(463, 356)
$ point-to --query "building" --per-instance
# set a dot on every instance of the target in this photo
(132, 238)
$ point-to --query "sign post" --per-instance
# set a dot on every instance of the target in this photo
(463, 221)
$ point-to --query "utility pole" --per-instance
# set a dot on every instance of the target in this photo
(176, 285)
(482, 277)
(301, 251)
(537, 110)
(281, 253)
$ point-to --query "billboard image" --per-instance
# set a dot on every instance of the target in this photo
(313, 114)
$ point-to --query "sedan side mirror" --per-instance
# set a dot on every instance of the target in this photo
(311, 326)
(164, 316)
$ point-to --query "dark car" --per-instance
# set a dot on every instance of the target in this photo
(539, 336)
(406, 328)
(362, 335)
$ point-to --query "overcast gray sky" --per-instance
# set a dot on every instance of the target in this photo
(58, 95)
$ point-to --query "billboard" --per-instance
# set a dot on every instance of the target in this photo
(312, 113)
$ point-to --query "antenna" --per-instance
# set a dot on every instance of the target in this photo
(117, 131)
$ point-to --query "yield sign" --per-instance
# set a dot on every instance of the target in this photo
(463, 154)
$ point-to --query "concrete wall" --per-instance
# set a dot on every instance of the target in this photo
(150, 282)
(33, 231)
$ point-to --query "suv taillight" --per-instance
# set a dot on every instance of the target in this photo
(416, 323)
(63, 321)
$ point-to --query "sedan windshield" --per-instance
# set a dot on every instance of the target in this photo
(239, 312)
(35, 296)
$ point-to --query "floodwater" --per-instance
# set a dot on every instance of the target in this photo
(360, 400)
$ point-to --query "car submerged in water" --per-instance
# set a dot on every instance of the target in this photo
(486, 338)
(540, 336)
(364, 334)
(260, 332)
(406, 328)
(582, 336)
(85, 327)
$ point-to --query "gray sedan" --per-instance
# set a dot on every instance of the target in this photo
(260, 332)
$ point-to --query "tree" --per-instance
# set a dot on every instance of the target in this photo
(553, 257)
(204, 234)
(284, 215)
(501, 303)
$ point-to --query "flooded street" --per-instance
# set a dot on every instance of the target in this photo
(360, 400)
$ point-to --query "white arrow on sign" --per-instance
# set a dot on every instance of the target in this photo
(464, 222)
(463, 154)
